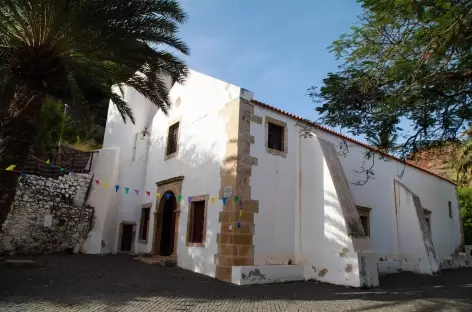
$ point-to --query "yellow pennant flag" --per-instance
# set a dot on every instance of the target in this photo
(240, 212)
(105, 185)
(213, 199)
(158, 195)
(47, 162)
(11, 167)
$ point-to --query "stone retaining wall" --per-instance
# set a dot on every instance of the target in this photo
(48, 214)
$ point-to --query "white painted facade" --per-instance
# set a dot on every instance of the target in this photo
(300, 220)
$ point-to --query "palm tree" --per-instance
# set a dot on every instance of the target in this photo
(55, 47)
(385, 140)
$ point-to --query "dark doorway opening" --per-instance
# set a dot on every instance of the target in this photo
(166, 247)
(126, 237)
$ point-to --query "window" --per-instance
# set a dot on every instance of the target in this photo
(365, 225)
(144, 224)
(172, 139)
(364, 214)
(276, 136)
(449, 206)
(275, 140)
(196, 230)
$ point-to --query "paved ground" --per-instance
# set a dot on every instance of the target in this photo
(119, 283)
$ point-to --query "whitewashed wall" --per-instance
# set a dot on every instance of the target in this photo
(378, 194)
(275, 184)
(105, 167)
(202, 147)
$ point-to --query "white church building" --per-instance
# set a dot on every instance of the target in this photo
(244, 192)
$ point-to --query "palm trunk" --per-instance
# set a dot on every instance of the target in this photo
(18, 119)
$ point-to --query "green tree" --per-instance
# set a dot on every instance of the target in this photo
(465, 203)
(50, 127)
(61, 48)
(386, 139)
(407, 58)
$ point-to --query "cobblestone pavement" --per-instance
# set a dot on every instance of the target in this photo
(119, 283)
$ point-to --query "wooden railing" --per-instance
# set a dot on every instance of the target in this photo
(64, 163)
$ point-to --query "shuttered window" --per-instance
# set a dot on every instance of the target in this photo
(143, 233)
(276, 137)
(172, 139)
(197, 222)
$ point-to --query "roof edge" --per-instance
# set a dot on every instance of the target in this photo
(321, 127)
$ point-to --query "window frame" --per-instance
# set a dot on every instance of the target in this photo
(365, 212)
(141, 224)
(177, 139)
(199, 198)
(282, 124)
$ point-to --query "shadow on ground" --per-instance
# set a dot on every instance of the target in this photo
(119, 283)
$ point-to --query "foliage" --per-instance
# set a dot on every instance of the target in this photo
(56, 128)
(385, 140)
(407, 59)
(465, 202)
(61, 48)
(75, 50)
(50, 127)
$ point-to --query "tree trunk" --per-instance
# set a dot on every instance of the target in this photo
(18, 118)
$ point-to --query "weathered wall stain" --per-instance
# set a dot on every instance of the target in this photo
(349, 268)
(344, 252)
(256, 273)
(322, 273)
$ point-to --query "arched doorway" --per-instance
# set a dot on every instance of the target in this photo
(167, 215)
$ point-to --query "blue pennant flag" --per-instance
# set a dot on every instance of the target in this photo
(117, 187)
(224, 200)
(22, 174)
(239, 225)
(137, 192)
(168, 196)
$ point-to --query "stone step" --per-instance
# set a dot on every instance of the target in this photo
(159, 260)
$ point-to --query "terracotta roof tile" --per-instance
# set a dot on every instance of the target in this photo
(348, 139)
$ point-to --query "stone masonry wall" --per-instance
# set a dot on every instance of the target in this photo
(48, 214)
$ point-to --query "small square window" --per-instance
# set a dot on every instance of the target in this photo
(275, 139)
(172, 139)
(449, 206)
(196, 224)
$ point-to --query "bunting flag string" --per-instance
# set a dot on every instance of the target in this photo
(105, 184)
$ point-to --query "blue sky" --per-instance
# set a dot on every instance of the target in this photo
(276, 49)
